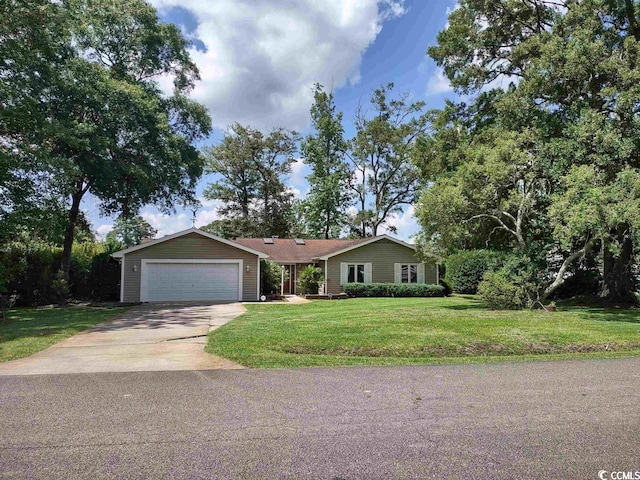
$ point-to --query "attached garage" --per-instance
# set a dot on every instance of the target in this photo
(197, 280)
(191, 265)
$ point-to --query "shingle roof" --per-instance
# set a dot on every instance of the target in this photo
(286, 249)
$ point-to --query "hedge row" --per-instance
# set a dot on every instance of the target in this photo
(30, 271)
(392, 290)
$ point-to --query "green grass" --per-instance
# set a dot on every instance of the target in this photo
(30, 330)
(405, 331)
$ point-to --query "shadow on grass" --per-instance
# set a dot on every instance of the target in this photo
(474, 303)
(629, 315)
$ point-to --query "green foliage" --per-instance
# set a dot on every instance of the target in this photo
(547, 166)
(309, 279)
(499, 292)
(384, 177)
(84, 113)
(32, 272)
(3, 278)
(131, 231)
(270, 277)
(465, 269)
(326, 203)
(448, 288)
(104, 278)
(251, 169)
(392, 290)
(60, 290)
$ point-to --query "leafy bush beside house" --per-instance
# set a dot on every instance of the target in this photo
(270, 277)
(392, 290)
(309, 280)
(466, 269)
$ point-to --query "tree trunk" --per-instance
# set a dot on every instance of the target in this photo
(617, 276)
(74, 211)
(560, 276)
(326, 226)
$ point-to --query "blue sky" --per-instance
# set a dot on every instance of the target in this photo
(258, 62)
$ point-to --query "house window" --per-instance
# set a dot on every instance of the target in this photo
(355, 273)
(409, 273)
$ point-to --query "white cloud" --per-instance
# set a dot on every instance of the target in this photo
(168, 224)
(448, 12)
(102, 230)
(405, 223)
(263, 58)
(295, 191)
(438, 83)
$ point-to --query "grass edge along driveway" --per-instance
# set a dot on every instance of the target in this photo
(410, 331)
(30, 330)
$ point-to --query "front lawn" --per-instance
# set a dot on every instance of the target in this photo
(30, 330)
(403, 331)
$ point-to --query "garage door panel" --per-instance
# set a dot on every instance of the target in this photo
(190, 281)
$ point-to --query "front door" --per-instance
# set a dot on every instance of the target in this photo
(289, 283)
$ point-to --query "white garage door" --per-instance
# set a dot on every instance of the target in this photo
(164, 282)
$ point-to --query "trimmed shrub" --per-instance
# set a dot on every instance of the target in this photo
(497, 291)
(309, 280)
(392, 290)
(465, 270)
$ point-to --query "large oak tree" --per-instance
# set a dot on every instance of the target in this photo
(102, 125)
(551, 164)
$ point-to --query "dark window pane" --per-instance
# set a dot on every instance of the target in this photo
(404, 277)
(413, 274)
(352, 274)
(360, 273)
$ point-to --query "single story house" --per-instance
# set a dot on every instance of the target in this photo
(194, 265)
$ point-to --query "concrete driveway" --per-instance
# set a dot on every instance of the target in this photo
(148, 337)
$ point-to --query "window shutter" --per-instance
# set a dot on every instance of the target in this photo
(344, 274)
(397, 273)
(367, 273)
(421, 278)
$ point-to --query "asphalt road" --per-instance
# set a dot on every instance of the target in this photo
(549, 420)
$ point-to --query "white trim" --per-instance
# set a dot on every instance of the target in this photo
(146, 261)
(121, 253)
(367, 242)
(326, 277)
(422, 273)
(397, 269)
(368, 272)
(122, 280)
(344, 272)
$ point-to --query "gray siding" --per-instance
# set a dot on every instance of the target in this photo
(383, 255)
(190, 246)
